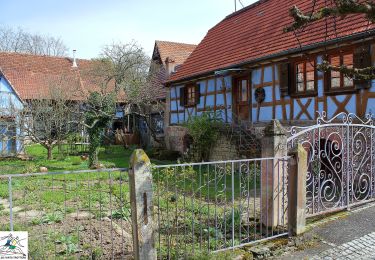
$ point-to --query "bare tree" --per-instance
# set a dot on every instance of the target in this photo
(18, 40)
(48, 119)
(339, 9)
(121, 75)
(134, 73)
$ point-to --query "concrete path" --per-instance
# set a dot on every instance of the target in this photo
(350, 236)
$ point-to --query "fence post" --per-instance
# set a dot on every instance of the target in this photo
(297, 190)
(273, 175)
(140, 180)
(10, 203)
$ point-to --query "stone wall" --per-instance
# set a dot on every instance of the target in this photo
(224, 149)
(175, 138)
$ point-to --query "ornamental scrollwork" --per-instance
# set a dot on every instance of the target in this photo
(340, 160)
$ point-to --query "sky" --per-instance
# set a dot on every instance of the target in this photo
(88, 25)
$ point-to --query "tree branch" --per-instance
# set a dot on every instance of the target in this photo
(355, 73)
(341, 9)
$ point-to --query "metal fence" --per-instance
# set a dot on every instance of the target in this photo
(199, 208)
(216, 206)
(69, 215)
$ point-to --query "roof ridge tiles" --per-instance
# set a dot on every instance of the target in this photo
(11, 53)
(180, 43)
(255, 4)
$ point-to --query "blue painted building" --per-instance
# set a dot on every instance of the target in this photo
(248, 69)
(11, 139)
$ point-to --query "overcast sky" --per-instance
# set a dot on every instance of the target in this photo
(87, 25)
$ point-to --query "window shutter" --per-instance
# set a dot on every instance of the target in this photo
(182, 97)
(327, 76)
(362, 59)
(285, 79)
(197, 93)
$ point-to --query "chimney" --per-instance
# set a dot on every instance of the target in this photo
(169, 64)
(74, 59)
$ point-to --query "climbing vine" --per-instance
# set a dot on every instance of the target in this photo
(99, 113)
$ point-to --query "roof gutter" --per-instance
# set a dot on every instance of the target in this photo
(278, 55)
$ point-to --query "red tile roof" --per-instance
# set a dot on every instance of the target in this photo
(158, 81)
(176, 51)
(179, 52)
(256, 32)
(33, 76)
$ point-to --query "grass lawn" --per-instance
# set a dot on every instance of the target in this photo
(112, 156)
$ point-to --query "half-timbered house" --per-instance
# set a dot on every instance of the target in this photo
(250, 71)
(167, 57)
(26, 77)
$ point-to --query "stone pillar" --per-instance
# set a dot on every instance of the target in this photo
(297, 190)
(273, 175)
(140, 182)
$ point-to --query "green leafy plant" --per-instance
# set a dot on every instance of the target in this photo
(204, 132)
(55, 217)
(97, 253)
(121, 213)
(69, 244)
(231, 220)
(30, 168)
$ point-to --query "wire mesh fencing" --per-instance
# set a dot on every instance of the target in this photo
(199, 208)
(69, 215)
(210, 207)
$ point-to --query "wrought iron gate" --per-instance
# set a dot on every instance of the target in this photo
(341, 161)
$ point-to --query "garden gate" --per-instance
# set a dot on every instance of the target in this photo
(340, 161)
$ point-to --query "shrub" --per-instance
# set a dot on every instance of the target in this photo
(108, 165)
(204, 132)
(76, 161)
(30, 168)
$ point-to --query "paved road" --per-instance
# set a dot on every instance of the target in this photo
(350, 237)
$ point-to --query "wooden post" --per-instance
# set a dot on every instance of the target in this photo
(140, 180)
(297, 190)
(273, 175)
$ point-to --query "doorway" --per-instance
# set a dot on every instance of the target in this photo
(242, 98)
